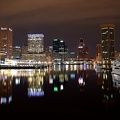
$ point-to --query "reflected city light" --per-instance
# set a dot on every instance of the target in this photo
(72, 75)
(39, 82)
(35, 92)
(80, 80)
(50, 80)
(17, 81)
(55, 89)
(61, 87)
(67, 67)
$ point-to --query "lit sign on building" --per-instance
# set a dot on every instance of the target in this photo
(3, 28)
(35, 36)
(80, 47)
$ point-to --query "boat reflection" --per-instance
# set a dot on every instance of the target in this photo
(108, 94)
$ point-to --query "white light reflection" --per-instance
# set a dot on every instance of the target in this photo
(75, 67)
(51, 81)
(59, 67)
(17, 81)
(61, 87)
(66, 67)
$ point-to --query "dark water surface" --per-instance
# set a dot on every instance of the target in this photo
(75, 92)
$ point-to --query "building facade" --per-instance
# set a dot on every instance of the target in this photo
(35, 49)
(6, 40)
(60, 50)
(98, 52)
(107, 42)
(82, 53)
(35, 43)
(16, 52)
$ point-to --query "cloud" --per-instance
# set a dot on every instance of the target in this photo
(56, 11)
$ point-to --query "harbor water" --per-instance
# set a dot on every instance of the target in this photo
(60, 90)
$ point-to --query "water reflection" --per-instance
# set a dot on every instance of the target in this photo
(58, 77)
(62, 74)
(80, 82)
(35, 84)
(5, 88)
(108, 93)
(116, 81)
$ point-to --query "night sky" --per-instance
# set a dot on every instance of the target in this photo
(68, 20)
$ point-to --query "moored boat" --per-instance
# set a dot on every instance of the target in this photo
(98, 67)
(116, 70)
(116, 67)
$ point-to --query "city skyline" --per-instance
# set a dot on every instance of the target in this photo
(66, 20)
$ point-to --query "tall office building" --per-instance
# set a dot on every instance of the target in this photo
(98, 52)
(35, 43)
(35, 48)
(107, 42)
(82, 50)
(56, 43)
(60, 50)
(16, 52)
(6, 39)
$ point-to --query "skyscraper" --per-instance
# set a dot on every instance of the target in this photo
(35, 43)
(35, 49)
(98, 52)
(82, 50)
(6, 39)
(16, 52)
(107, 42)
(60, 50)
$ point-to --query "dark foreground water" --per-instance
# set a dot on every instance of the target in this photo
(72, 92)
